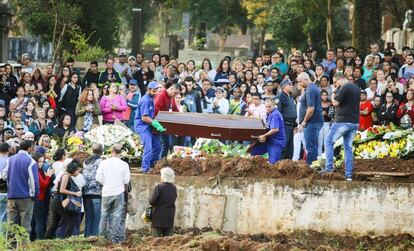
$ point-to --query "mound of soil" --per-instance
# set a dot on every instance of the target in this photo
(258, 167)
(81, 156)
(384, 165)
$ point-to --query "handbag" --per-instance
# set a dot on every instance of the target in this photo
(147, 214)
(72, 204)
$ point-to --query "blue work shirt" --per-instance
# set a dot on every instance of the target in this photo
(274, 120)
(311, 98)
(145, 108)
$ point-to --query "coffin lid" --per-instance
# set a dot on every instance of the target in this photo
(211, 120)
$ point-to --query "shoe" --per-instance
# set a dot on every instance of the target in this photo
(348, 179)
(323, 171)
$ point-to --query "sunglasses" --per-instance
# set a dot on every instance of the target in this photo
(19, 129)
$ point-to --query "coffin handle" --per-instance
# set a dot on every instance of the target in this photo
(254, 137)
(215, 134)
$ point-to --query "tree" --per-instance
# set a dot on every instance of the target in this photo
(220, 15)
(51, 20)
(366, 24)
(328, 13)
(258, 13)
(301, 23)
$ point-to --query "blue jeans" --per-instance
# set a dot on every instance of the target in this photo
(3, 209)
(288, 151)
(347, 131)
(152, 149)
(112, 226)
(165, 141)
(311, 134)
(92, 215)
(40, 211)
(273, 150)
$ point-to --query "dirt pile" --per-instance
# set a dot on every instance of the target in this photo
(81, 156)
(196, 239)
(258, 167)
(384, 165)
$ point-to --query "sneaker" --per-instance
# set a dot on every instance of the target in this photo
(348, 179)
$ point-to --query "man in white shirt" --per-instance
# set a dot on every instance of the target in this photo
(122, 67)
(113, 174)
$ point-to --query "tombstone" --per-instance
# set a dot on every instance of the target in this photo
(408, 22)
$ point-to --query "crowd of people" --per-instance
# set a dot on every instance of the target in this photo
(306, 102)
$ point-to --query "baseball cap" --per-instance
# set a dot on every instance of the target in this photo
(121, 54)
(153, 85)
(286, 82)
(363, 92)
(133, 82)
(132, 57)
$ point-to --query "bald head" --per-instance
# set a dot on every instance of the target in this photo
(304, 79)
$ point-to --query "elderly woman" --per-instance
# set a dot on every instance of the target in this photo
(163, 202)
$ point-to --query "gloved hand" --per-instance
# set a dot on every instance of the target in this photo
(158, 126)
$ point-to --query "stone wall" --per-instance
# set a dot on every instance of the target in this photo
(250, 206)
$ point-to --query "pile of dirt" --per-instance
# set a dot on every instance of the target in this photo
(384, 165)
(209, 240)
(258, 167)
(81, 156)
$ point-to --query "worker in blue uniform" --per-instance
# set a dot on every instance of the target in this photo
(144, 121)
(273, 141)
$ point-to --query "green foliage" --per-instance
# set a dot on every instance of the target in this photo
(82, 50)
(14, 237)
(40, 16)
(299, 23)
(151, 40)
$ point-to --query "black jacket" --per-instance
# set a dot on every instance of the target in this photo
(163, 202)
(387, 115)
(89, 78)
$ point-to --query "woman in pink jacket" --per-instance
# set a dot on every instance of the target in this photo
(113, 105)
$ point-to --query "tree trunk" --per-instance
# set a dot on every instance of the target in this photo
(329, 25)
(223, 39)
(366, 24)
(261, 40)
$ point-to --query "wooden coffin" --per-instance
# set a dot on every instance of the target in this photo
(213, 126)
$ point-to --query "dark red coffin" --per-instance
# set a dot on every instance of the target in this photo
(213, 126)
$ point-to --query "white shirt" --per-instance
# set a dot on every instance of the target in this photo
(113, 174)
(120, 68)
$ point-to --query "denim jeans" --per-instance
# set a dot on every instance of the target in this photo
(92, 215)
(323, 133)
(165, 141)
(3, 209)
(311, 134)
(288, 150)
(112, 227)
(40, 211)
(347, 131)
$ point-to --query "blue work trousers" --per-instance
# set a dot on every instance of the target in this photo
(152, 149)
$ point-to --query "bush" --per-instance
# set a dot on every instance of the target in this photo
(82, 51)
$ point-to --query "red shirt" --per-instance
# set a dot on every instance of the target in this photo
(44, 182)
(365, 121)
(164, 103)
